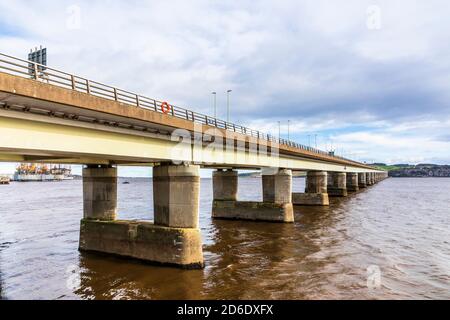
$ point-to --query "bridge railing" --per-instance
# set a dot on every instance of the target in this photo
(38, 72)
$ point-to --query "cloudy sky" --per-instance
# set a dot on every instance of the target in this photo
(369, 78)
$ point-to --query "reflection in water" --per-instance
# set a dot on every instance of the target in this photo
(1, 282)
(242, 259)
(104, 277)
(326, 253)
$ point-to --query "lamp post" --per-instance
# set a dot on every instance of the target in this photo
(215, 106)
(289, 130)
(279, 131)
(228, 105)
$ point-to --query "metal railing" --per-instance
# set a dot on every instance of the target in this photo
(38, 72)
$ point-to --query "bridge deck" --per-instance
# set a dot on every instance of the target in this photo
(42, 101)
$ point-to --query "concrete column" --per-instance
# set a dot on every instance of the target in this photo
(277, 188)
(337, 184)
(368, 178)
(352, 182)
(225, 185)
(173, 239)
(176, 196)
(362, 180)
(315, 190)
(100, 193)
(316, 182)
(277, 198)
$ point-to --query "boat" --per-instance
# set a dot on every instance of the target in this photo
(41, 172)
(4, 180)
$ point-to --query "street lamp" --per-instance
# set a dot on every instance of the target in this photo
(228, 105)
(215, 106)
(289, 130)
(279, 131)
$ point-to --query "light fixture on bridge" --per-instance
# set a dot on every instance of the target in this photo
(215, 103)
(228, 105)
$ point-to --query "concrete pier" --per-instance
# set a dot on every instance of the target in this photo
(277, 188)
(362, 180)
(176, 195)
(372, 178)
(100, 192)
(352, 182)
(369, 179)
(173, 239)
(277, 198)
(337, 184)
(225, 185)
(315, 190)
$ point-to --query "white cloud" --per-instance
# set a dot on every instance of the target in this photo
(314, 62)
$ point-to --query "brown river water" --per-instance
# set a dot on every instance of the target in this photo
(390, 241)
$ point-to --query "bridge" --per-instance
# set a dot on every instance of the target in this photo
(50, 116)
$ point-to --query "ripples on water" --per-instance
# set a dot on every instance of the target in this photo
(399, 227)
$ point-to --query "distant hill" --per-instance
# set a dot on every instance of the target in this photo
(420, 170)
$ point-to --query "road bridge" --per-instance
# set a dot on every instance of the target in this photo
(50, 116)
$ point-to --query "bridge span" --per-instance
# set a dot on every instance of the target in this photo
(50, 116)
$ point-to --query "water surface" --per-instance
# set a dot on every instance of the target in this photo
(390, 241)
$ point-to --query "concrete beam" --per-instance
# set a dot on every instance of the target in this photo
(29, 134)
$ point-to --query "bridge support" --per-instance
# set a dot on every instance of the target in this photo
(369, 178)
(362, 180)
(337, 184)
(352, 182)
(100, 193)
(225, 185)
(173, 239)
(315, 191)
(277, 202)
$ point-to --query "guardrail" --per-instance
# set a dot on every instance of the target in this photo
(38, 72)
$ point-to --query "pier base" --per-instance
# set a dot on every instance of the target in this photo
(173, 239)
(277, 197)
(251, 210)
(311, 199)
(315, 190)
(144, 241)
